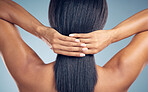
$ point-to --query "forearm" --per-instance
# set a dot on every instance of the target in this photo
(135, 24)
(14, 13)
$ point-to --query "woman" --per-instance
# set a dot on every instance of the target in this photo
(75, 53)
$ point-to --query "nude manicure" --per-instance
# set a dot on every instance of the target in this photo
(84, 49)
(82, 55)
(83, 44)
(77, 40)
(71, 35)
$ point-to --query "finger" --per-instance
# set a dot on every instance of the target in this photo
(71, 44)
(91, 46)
(91, 51)
(76, 54)
(86, 40)
(65, 48)
(80, 35)
(66, 38)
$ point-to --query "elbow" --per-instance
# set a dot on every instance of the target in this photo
(146, 17)
(5, 9)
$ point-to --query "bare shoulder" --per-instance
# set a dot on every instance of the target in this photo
(107, 81)
(123, 68)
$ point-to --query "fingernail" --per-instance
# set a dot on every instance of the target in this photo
(77, 40)
(83, 44)
(71, 34)
(84, 49)
(82, 55)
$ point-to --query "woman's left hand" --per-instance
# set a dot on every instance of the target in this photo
(61, 44)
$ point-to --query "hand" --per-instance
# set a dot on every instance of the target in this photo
(95, 41)
(61, 44)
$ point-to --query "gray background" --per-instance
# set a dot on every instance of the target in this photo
(119, 10)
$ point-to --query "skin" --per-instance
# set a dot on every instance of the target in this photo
(32, 75)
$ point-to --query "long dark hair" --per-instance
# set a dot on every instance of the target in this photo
(76, 74)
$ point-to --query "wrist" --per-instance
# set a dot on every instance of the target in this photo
(44, 32)
(113, 35)
(41, 31)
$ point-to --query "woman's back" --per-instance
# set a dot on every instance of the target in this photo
(107, 81)
(44, 80)
(33, 75)
(116, 75)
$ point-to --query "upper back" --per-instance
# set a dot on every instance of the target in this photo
(107, 80)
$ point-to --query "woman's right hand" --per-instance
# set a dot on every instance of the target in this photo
(61, 44)
(95, 41)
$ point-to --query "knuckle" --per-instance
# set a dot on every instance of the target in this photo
(78, 44)
(77, 54)
(54, 46)
(95, 36)
(85, 41)
(74, 49)
(55, 51)
(91, 34)
(77, 35)
(87, 52)
(54, 35)
(51, 41)
(96, 46)
(66, 43)
(69, 48)
(96, 51)
(54, 40)
(95, 40)
(81, 35)
(63, 42)
(80, 49)
(81, 40)
(72, 44)
(86, 35)
(70, 54)
(71, 39)
(66, 38)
